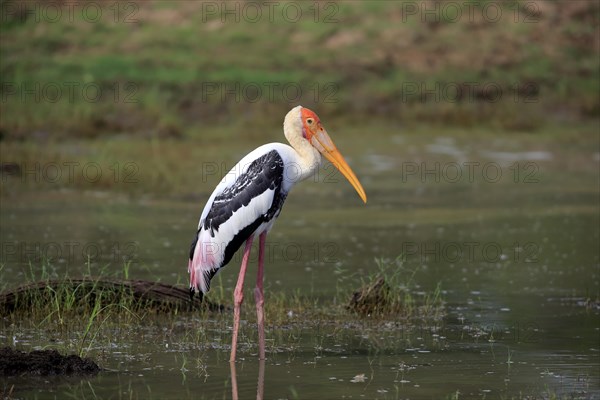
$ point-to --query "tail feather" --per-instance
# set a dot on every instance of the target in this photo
(201, 266)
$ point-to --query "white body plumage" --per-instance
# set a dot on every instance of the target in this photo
(249, 198)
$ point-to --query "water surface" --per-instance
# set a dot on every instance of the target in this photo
(507, 227)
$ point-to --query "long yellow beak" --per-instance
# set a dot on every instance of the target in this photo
(323, 143)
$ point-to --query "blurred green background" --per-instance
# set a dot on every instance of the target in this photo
(178, 69)
(118, 118)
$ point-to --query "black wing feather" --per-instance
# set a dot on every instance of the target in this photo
(264, 173)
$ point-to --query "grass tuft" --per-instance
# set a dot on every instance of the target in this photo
(392, 290)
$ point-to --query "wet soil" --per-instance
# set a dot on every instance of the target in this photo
(44, 363)
(371, 298)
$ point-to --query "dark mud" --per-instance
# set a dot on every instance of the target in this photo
(44, 363)
(371, 298)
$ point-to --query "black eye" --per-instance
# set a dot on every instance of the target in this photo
(309, 121)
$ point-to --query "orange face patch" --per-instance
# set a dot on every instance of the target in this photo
(310, 123)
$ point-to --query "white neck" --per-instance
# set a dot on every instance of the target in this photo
(308, 158)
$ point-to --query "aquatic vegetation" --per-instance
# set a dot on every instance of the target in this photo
(83, 312)
(391, 289)
(49, 296)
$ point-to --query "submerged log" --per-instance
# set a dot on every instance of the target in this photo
(136, 294)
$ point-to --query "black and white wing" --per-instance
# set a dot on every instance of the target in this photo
(246, 202)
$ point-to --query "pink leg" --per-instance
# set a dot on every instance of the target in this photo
(260, 388)
(258, 296)
(238, 297)
(234, 387)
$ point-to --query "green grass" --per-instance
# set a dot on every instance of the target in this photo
(391, 289)
(82, 314)
(153, 72)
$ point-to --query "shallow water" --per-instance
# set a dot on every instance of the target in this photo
(509, 229)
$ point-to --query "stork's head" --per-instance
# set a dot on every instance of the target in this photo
(303, 122)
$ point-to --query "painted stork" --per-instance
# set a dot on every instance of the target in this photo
(247, 201)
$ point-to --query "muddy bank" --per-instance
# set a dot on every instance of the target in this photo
(43, 363)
